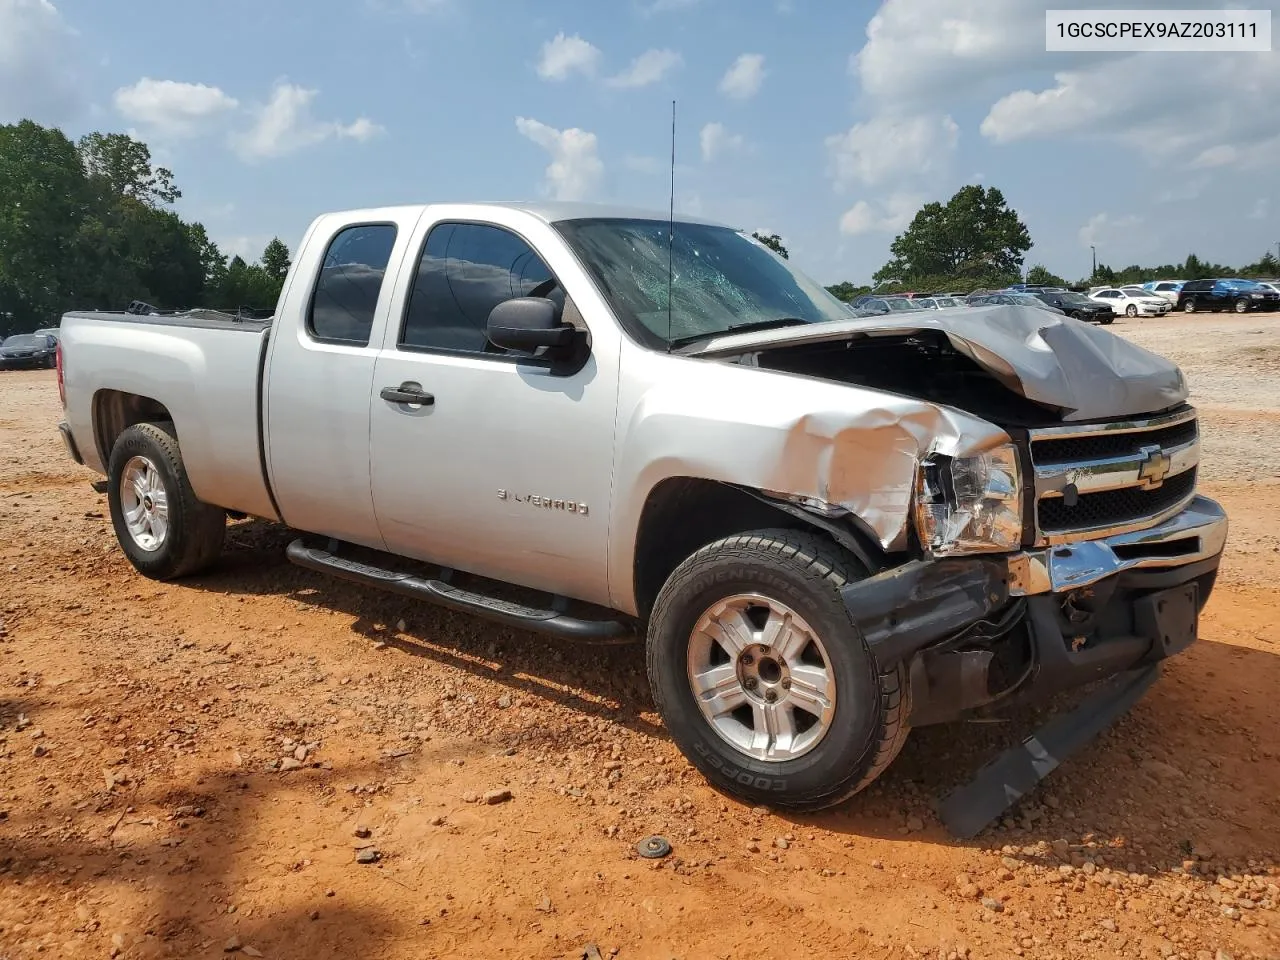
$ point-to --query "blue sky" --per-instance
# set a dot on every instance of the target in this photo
(826, 122)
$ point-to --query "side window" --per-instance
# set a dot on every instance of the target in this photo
(466, 269)
(346, 294)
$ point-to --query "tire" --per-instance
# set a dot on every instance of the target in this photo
(1109, 321)
(1242, 306)
(803, 573)
(1189, 306)
(189, 538)
(1131, 311)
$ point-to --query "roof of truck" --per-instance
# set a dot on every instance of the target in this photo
(553, 211)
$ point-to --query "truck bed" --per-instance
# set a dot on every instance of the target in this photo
(203, 367)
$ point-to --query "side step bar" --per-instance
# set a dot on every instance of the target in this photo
(552, 622)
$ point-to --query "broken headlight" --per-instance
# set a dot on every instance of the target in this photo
(970, 504)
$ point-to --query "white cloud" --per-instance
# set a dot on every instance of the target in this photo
(892, 217)
(743, 79)
(887, 147)
(171, 108)
(715, 140)
(575, 170)
(1260, 209)
(285, 124)
(1105, 230)
(918, 50)
(1211, 111)
(565, 55)
(650, 67)
(38, 64)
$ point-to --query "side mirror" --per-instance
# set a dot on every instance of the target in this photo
(527, 323)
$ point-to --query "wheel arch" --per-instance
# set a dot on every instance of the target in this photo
(115, 411)
(683, 514)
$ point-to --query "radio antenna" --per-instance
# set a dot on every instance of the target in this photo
(671, 220)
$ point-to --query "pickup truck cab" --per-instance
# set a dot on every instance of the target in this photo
(828, 529)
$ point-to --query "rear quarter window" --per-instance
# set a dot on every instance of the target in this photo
(350, 281)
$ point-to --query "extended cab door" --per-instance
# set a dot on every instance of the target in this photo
(319, 372)
(502, 466)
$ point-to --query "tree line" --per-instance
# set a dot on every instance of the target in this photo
(975, 241)
(87, 225)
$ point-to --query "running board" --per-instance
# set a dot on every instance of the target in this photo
(1004, 781)
(552, 622)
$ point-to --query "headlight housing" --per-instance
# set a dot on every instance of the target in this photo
(970, 504)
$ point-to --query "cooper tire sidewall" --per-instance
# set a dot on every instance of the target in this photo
(157, 562)
(857, 713)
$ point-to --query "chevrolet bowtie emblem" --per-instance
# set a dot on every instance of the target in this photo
(1154, 468)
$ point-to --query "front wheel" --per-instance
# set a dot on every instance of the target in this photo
(761, 677)
(1131, 311)
(162, 528)
(1189, 307)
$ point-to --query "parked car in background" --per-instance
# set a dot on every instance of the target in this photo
(1011, 299)
(1078, 305)
(27, 350)
(1164, 288)
(1226, 294)
(1133, 302)
(1271, 285)
(48, 332)
(880, 305)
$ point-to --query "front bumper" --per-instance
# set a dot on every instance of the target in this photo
(980, 631)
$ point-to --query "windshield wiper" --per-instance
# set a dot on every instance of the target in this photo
(742, 328)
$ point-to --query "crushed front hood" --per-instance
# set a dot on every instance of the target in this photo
(1077, 369)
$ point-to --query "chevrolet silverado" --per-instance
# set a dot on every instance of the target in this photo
(827, 528)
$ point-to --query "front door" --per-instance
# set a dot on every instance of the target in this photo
(503, 469)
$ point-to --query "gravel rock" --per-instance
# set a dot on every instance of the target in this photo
(992, 904)
(1109, 925)
(363, 832)
(368, 855)
(1231, 913)
(290, 763)
(915, 824)
(232, 945)
(497, 796)
(782, 843)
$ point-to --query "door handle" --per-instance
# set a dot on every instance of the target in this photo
(407, 393)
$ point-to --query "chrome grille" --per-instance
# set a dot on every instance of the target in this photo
(1094, 480)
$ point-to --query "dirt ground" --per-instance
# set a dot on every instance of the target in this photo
(191, 769)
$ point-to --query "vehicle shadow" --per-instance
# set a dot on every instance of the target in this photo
(164, 873)
(1179, 772)
(603, 681)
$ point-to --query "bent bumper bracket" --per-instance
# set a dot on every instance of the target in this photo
(968, 809)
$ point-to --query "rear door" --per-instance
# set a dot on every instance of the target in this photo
(320, 373)
(506, 470)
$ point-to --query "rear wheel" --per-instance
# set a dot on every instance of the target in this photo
(162, 528)
(1131, 311)
(762, 679)
(1189, 306)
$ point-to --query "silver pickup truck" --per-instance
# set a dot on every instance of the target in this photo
(828, 528)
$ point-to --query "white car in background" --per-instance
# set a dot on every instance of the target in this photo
(1165, 288)
(1133, 302)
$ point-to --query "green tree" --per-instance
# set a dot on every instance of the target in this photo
(973, 235)
(846, 291)
(275, 259)
(44, 199)
(774, 243)
(1040, 275)
(122, 166)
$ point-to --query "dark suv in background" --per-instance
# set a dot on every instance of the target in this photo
(1077, 305)
(1230, 294)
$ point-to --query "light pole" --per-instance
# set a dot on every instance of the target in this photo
(1095, 260)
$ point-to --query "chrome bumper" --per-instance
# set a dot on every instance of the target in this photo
(1198, 533)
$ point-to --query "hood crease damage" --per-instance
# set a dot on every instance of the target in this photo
(1076, 370)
